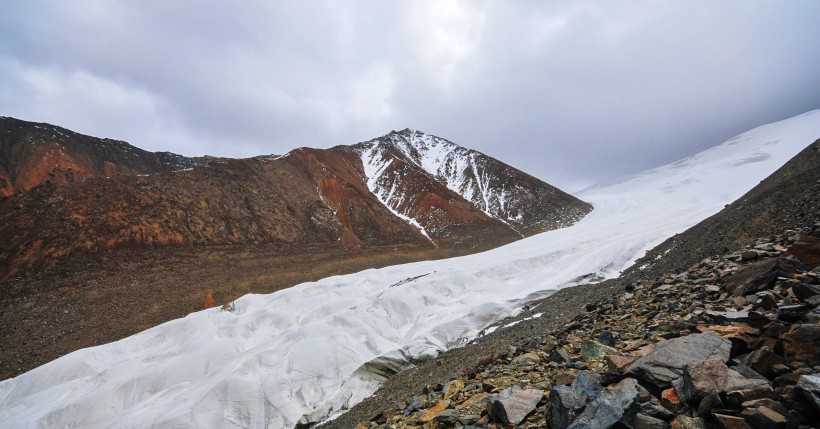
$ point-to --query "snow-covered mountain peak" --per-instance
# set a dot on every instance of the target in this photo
(522, 202)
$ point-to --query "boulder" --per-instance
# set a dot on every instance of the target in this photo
(806, 249)
(763, 361)
(741, 389)
(802, 344)
(568, 401)
(617, 364)
(617, 404)
(526, 358)
(759, 276)
(731, 422)
(447, 418)
(668, 359)
(809, 386)
(804, 291)
(559, 355)
(711, 376)
(514, 404)
(792, 313)
(593, 349)
(764, 418)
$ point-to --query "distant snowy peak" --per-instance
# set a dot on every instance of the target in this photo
(523, 203)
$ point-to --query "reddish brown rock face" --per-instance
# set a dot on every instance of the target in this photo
(67, 194)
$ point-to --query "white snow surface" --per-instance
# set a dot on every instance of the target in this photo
(299, 351)
(461, 170)
(375, 163)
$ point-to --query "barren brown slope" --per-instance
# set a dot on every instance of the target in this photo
(93, 253)
(90, 196)
(35, 153)
(248, 202)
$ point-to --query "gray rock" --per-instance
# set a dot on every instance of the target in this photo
(594, 349)
(809, 386)
(741, 389)
(567, 401)
(447, 418)
(619, 404)
(711, 376)
(667, 360)
(729, 316)
(513, 405)
(559, 355)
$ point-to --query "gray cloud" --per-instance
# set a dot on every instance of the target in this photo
(572, 92)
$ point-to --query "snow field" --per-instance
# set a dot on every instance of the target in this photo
(304, 351)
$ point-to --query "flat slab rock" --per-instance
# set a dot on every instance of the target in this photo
(514, 404)
(668, 359)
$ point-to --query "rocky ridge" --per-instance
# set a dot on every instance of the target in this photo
(33, 154)
(730, 342)
(522, 202)
(66, 197)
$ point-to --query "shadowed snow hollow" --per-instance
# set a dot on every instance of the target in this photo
(315, 349)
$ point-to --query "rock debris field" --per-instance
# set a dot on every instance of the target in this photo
(732, 342)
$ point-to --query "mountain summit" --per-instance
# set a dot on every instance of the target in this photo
(69, 195)
(522, 202)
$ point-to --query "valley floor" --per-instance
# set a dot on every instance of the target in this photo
(88, 304)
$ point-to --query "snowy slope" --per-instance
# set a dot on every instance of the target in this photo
(302, 351)
(521, 202)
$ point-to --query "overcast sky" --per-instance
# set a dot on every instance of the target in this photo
(572, 92)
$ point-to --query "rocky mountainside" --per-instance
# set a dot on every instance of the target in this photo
(732, 342)
(716, 327)
(69, 195)
(404, 166)
(32, 154)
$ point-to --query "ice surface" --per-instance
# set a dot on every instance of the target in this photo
(304, 351)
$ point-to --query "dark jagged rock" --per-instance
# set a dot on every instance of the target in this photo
(802, 344)
(809, 386)
(642, 421)
(619, 404)
(807, 249)
(760, 275)
(568, 401)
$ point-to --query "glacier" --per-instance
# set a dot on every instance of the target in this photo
(302, 353)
